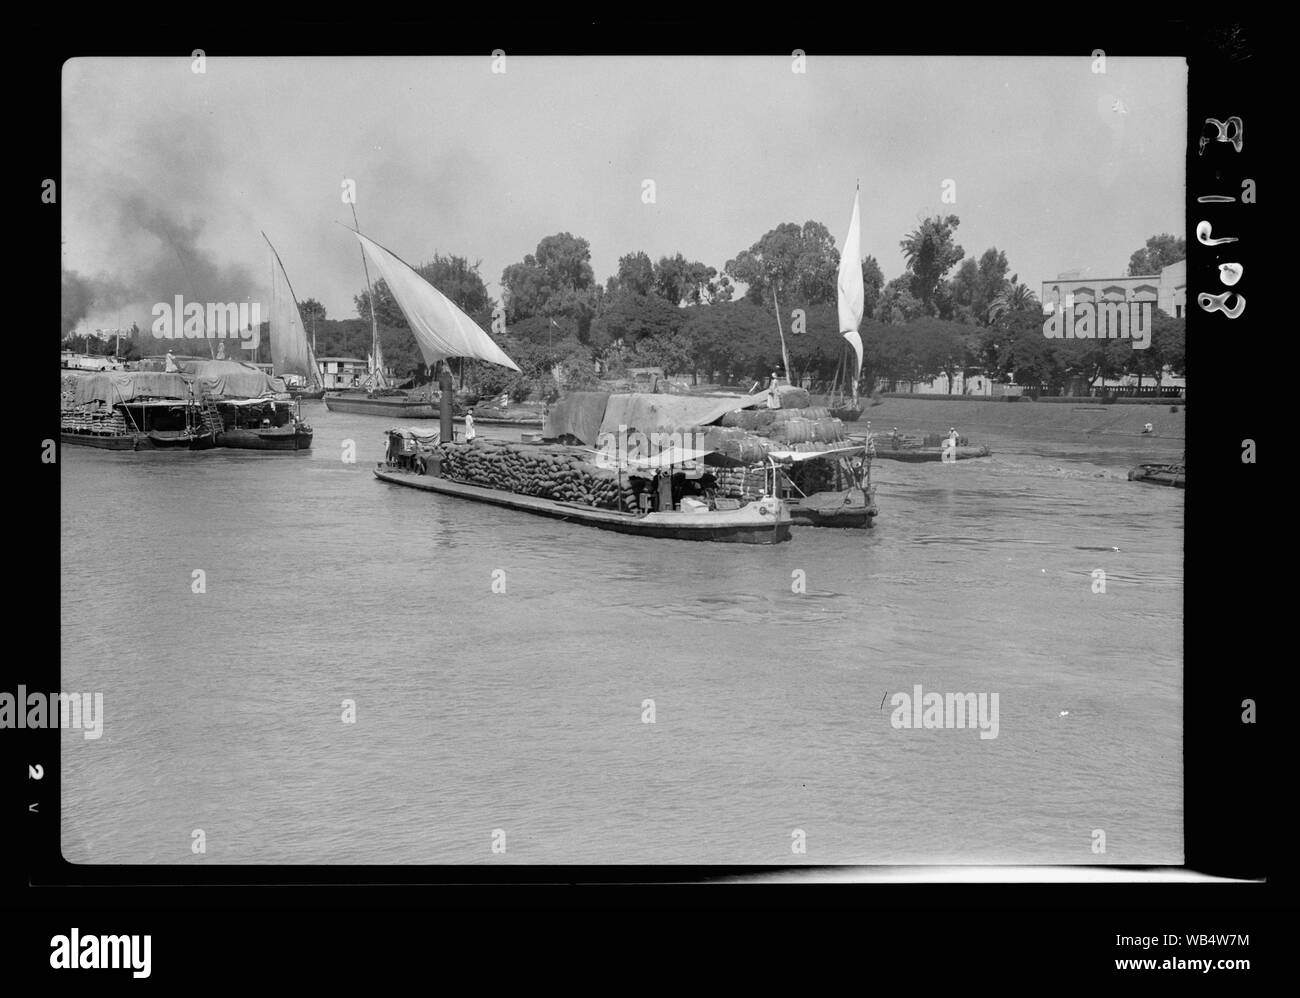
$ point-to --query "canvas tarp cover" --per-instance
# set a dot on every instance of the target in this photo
(110, 387)
(577, 414)
(231, 379)
(647, 413)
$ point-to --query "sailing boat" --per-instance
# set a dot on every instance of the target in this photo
(851, 301)
(291, 353)
(441, 330)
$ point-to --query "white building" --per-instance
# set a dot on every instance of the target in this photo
(1167, 289)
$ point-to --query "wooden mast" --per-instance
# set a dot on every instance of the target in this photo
(376, 373)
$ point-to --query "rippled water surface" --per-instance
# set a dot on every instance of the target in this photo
(522, 711)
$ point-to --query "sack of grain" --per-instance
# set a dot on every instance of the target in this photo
(793, 398)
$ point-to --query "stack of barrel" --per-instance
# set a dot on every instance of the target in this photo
(546, 472)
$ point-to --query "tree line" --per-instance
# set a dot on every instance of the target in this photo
(946, 314)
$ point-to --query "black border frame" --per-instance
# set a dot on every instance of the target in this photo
(1227, 778)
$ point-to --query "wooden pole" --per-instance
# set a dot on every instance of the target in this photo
(785, 357)
(376, 373)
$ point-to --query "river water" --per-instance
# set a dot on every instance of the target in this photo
(518, 720)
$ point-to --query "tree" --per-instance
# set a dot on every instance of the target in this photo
(671, 351)
(798, 261)
(873, 279)
(543, 282)
(1014, 297)
(1159, 252)
(625, 317)
(688, 282)
(1168, 348)
(636, 273)
(930, 253)
(897, 303)
(1169, 337)
(736, 340)
(555, 282)
(975, 286)
(1024, 353)
(940, 347)
(890, 355)
(311, 310)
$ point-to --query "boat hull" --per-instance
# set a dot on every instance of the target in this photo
(742, 526)
(104, 441)
(319, 393)
(920, 454)
(390, 406)
(849, 508)
(153, 440)
(169, 440)
(271, 438)
(1159, 474)
(522, 423)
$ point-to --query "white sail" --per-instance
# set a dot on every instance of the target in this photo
(441, 329)
(291, 353)
(851, 296)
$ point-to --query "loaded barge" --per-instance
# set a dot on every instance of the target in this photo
(766, 521)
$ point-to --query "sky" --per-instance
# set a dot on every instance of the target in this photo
(170, 176)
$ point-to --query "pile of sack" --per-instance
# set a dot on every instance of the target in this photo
(549, 473)
(790, 426)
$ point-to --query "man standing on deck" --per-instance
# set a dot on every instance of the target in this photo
(773, 396)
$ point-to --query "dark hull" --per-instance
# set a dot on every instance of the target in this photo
(152, 440)
(916, 455)
(382, 406)
(275, 438)
(103, 441)
(490, 421)
(623, 523)
(164, 440)
(853, 518)
(319, 393)
(1160, 474)
(848, 508)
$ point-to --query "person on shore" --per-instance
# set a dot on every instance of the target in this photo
(773, 396)
(469, 425)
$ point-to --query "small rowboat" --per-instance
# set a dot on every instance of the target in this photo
(1173, 475)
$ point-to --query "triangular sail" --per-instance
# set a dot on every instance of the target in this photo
(290, 351)
(851, 294)
(441, 329)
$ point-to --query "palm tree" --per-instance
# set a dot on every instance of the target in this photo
(1013, 297)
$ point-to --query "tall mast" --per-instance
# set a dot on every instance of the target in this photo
(785, 357)
(376, 361)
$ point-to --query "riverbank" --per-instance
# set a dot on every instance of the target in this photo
(1026, 419)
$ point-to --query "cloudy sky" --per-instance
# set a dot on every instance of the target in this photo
(169, 176)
